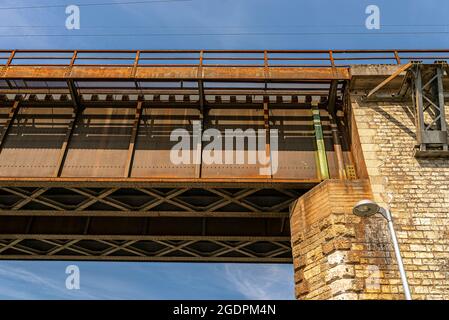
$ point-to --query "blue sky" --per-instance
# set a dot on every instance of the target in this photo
(339, 24)
(344, 19)
(119, 280)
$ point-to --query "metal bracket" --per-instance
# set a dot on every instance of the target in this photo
(393, 76)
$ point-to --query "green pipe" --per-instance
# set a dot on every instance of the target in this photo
(321, 149)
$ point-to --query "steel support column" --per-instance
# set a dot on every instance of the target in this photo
(428, 101)
(266, 119)
(11, 117)
(323, 168)
(337, 147)
(132, 142)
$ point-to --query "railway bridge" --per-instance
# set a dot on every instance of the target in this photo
(86, 167)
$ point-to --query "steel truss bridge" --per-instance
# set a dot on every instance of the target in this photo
(85, 170)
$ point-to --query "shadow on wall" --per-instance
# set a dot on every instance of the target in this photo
(408, 110)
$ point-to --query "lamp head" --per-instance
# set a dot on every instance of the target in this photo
(365, 208)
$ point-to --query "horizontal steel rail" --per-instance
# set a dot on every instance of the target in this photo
(216, 58)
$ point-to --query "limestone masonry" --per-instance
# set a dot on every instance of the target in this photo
(340, 256)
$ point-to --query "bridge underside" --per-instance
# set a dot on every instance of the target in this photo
(245, 222)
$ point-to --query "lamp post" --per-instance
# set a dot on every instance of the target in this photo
(366, 208)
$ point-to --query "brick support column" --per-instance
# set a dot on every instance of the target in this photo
(338, 255)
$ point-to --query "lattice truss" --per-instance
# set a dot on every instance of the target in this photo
(182, 200)
(148, 224)
(249, 250)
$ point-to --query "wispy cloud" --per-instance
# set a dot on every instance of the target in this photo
(271, 282)
(46, 280)
(13, 277)
(26, 20)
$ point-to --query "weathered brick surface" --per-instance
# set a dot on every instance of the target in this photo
(420, 189)
(336, 254)
(340, 256)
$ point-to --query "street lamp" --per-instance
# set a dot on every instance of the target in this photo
(366, 208)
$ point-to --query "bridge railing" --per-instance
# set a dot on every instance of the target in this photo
(216, 58)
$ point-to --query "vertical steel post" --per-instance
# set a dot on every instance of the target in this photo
(266, 116)
(337, 147)
(419, 107)
(396, 57)
(9, 123)
(133, 139)
(198, 128)
(321, 149)
(441, 103)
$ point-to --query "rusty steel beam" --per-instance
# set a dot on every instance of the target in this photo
(333, 90)
(266, 118)
(132, 142)
(136, 213)
(146, 259)
(386, 81)
(337, 147)
(321, 157)
(178, 91)
(99, 182)
(197, 140)
(173, 73)
(76, 118)
(7, 127)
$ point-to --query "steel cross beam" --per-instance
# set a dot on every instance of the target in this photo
(169, 198)
(57, 201)
(112, 248)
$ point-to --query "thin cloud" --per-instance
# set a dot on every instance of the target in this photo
(47, 285)
(270, 282)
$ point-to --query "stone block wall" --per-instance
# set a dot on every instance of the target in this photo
(419, 190)
(337, 255)
(340, 256)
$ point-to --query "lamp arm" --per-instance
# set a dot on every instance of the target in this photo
(386, 214)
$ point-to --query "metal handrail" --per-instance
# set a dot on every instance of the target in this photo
(215, 58)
